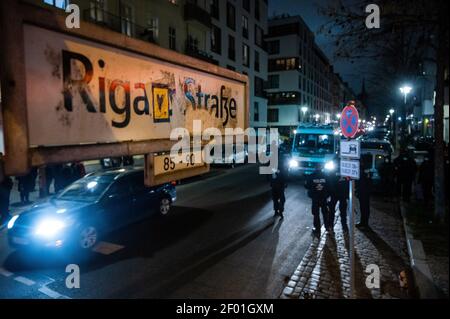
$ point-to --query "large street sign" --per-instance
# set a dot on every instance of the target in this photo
(350, 168)
(80, 92)
(349, 121)
(350, 149)
(88, 93)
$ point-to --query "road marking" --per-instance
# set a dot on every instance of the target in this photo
(5, 273)
(106, 248)
(24, 280)
(51, 293)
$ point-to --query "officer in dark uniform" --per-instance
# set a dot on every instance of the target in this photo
(278, 184)
(405, 172)
(318, 190)
(363, 189)
(387, 173)
(426, 178)
(339, 189)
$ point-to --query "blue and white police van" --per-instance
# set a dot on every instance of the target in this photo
(314, 146)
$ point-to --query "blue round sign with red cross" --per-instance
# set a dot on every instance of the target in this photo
(349, 121)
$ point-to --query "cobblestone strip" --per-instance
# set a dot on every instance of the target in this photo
(324, 271)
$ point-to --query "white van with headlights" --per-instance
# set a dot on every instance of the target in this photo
(314, 147)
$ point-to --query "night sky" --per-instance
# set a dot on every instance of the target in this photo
(308, 10)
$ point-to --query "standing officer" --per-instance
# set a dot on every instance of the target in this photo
(405, 169)
(339, 190)
(426, 178)
(363, 189)
(386, 172)
(318, 191)
(278, 184)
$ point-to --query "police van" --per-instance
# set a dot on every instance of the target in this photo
(314, 146)
(376, 152)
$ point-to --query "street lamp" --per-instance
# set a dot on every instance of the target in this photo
(304, 109)
(317, 116)
(391, 111)
(405, 90)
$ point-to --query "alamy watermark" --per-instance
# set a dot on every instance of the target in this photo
(73, 17)
(373, 19)
(73, 279)
(373, 277)
(262, 146)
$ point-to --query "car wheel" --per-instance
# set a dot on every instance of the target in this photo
(164, 206)
(88, 237)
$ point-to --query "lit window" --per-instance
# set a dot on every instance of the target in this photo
(61, 4)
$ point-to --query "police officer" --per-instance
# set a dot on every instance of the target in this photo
(405, 169)
(363, 189)
(278, 184)
(339, 190)
(318, 190)
(426, 178)
(386, 172)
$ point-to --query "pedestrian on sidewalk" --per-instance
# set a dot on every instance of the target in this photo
(387, 173)
(318, 190)
(426, 178)
(26, 184)
(278, 185)
(405, 173)
(49, 177)
(5, 191)
(78, 171)
(57, 175)
(339, 189)
(363, 189)
(127, 161)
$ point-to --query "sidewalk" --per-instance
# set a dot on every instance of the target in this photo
(324, 270)
(428, 246)
(16, 207)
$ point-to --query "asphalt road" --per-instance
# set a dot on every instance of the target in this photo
(219, 241)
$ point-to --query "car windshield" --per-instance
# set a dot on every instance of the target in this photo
(314, 143)
(88, 189)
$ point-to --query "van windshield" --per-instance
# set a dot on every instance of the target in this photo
(314, 144)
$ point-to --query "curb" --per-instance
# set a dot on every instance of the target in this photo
(423, 279)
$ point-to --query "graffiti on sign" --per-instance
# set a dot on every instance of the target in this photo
(74, 85)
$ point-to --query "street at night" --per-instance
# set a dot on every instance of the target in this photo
(224, 158)
(220, 241)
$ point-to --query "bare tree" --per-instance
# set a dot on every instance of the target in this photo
(409, 31)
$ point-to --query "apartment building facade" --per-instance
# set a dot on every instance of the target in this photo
(302, 86)
(237, 43)
(226, 33)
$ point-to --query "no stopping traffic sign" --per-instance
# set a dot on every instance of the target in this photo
(349, 121)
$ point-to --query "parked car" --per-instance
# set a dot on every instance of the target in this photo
(88, 209)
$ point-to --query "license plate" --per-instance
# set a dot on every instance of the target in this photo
(20, 241)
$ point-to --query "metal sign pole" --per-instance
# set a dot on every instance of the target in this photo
(352, 237)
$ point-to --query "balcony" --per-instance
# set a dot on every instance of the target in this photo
(194, 12)
(118, 24)
(284, 98)
(194, 52)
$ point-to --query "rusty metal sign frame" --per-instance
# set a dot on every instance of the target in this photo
(19, 157)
